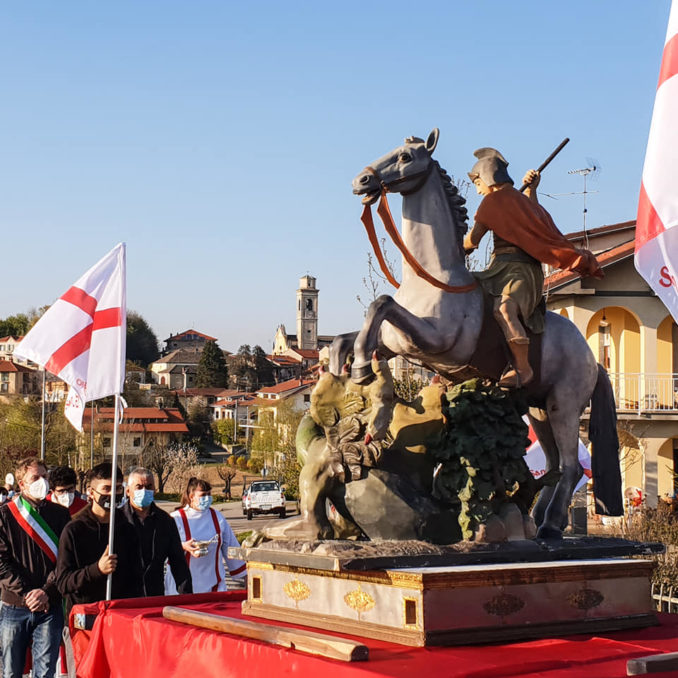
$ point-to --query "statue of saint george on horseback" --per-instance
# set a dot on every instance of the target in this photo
(441, 315)
(525, 237)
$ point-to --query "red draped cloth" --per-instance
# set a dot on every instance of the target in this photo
(130, 637)
(526, 224)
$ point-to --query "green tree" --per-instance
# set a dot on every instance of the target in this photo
(274, 443)
(223, 431)
(262, 367)
(199, 421)
(15, 325)
(212, 370)
(242, 368)
(20, 431)
(142, 343)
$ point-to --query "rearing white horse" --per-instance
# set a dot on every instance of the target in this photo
(436, 317)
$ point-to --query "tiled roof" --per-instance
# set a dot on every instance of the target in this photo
(308, 353)
(602, 230)
(284, 360)
(560, 278)
(232, 403)
(232, 393)
(206, 337)
(10, 337)
(286, 386)
(180, 356)
(9, 366)
(149, 419)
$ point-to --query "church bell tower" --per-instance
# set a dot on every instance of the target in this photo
(307, 313)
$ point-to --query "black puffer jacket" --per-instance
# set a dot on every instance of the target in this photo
(24, 566)
(83, 542)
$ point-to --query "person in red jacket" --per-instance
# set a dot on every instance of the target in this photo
(62, 480)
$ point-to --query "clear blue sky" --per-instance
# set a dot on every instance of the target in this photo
(219, 139)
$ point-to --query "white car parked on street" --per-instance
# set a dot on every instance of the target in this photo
(263, 497)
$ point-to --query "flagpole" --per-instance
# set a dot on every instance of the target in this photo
(42, 422)
(114, 482)
(91, 437)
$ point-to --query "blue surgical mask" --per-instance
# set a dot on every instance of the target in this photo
(204, 502)
(142, 498)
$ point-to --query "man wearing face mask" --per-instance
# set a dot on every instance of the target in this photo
(30, 528)
(84, 561)
(157, 536)
(62, 480)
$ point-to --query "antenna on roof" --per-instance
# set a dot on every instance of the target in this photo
(590, 172)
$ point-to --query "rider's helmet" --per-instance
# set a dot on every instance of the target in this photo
(491, 167)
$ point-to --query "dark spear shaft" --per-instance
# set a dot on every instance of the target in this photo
(543, 166)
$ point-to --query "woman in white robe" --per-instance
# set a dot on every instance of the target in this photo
(197, 522)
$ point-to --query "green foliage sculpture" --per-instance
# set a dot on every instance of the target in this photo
(481, 459)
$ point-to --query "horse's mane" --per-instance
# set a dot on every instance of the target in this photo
(455, 200)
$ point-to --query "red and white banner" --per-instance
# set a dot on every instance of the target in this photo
(536, 459)
(656, 256)
(81, 338)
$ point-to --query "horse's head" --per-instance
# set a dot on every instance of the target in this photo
(403, 170)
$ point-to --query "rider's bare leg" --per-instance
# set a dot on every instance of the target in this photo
(506, 314)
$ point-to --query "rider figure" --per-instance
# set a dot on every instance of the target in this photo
(524, 238)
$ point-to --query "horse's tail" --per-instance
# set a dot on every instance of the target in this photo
(607, 483)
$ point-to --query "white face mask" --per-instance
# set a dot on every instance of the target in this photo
(65, 498)
(39, 488)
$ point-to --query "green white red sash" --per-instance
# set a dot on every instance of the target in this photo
(35, 526)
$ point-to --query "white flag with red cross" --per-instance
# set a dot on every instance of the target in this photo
(81, 337)
(656, 255)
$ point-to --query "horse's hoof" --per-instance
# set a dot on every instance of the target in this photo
(362, 374)
(547, 532)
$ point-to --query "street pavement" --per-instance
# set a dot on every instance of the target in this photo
(232, 511)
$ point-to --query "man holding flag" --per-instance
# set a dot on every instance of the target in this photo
(32, 612)
(81, 339)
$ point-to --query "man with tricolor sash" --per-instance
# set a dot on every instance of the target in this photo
(32, 612)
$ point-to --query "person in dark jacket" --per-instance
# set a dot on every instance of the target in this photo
(32, 614)
(157, 536)
(84, 561)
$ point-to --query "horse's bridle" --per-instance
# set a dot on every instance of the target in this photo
(384, 212)
(387, 187)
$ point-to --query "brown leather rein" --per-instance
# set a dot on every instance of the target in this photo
(384, 212)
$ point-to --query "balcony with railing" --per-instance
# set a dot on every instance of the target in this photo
(644, 393)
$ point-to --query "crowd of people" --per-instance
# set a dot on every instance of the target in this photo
(54, 551)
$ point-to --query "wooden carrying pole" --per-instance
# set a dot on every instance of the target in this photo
(294, 639)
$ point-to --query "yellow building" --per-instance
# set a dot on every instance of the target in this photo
(634, 337)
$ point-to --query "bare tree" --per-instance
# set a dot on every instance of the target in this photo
(375, 282)
(172, 463)
(226, 473)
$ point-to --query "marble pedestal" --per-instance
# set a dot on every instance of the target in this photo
(457, 604)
